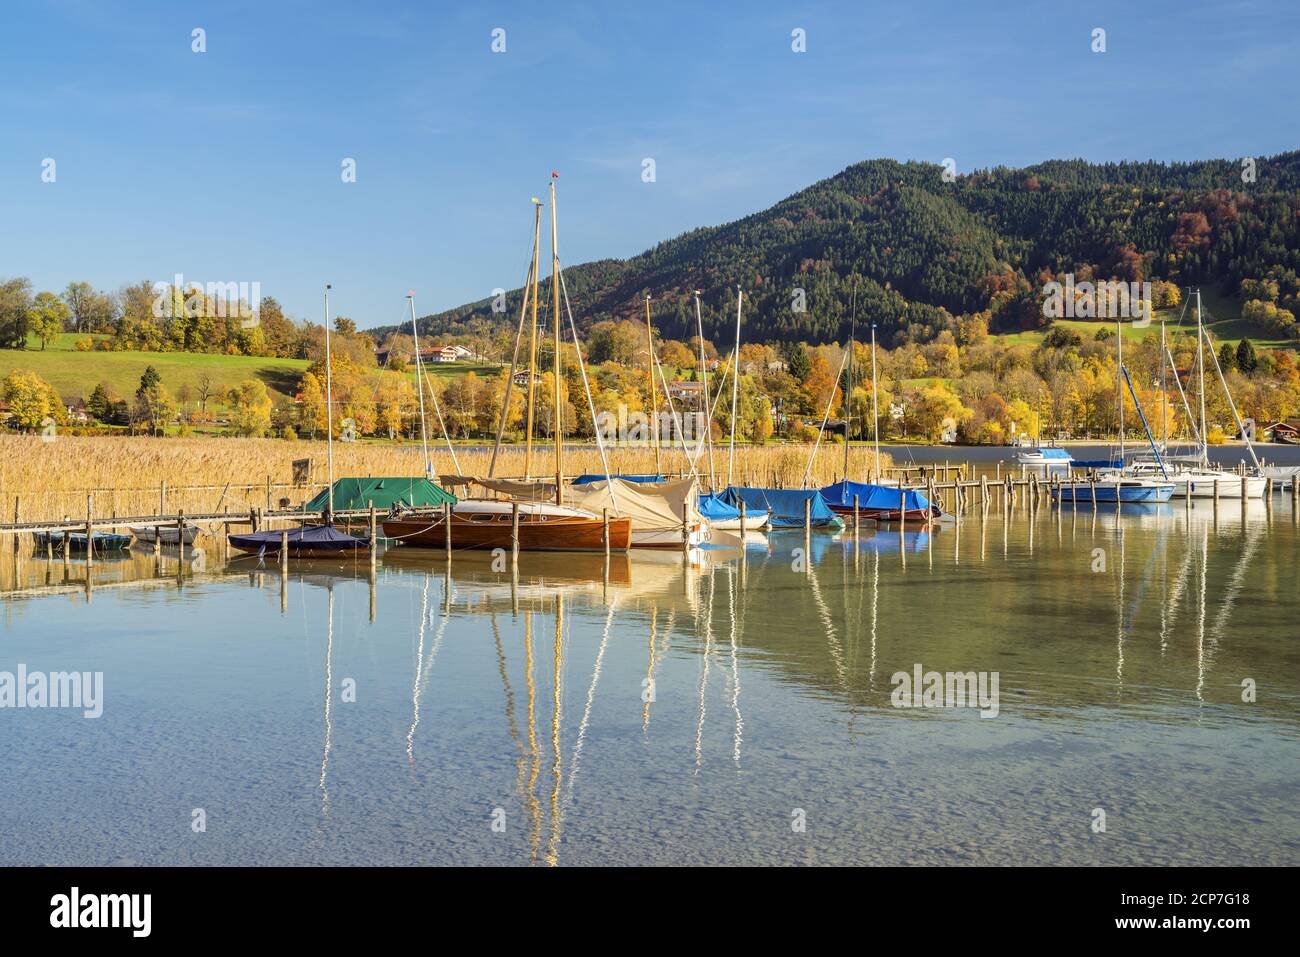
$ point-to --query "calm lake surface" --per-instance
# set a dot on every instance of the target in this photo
(335, 720)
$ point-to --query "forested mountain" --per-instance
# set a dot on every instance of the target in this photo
(923, 250)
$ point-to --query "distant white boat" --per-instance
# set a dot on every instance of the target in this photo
(1046, 460)
(167, 534)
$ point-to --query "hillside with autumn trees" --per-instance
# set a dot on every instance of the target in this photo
(923, 251)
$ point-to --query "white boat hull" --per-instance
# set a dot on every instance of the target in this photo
(1203, 484)
(753, 522)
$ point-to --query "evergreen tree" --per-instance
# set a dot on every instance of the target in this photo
(1227, 358)
(1247, 361)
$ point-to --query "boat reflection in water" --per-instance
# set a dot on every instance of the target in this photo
(669, 707)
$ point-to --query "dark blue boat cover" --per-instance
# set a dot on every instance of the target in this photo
(588, 479)
(713, 508)
(871, 496)
(1098, 463)
(319, 538)
(783, 505)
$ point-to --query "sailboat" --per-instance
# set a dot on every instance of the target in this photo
(312, 540)
(543, 526)
(871, 501)
(1192, 475)
(717, 511)
(1119, 486)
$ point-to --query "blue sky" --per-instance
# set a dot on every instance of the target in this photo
(225, 165)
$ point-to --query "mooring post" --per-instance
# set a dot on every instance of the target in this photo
(514, 533)
(1244, 480)
(742, 518)
(180, 534)
(90, 526)
(284, 552)
(446, 527)
(16, 513)
(268, 493)
(1187, 492)
(686, 534)
(856, 518)
(374, 548)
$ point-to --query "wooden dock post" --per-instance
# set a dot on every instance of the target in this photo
(807, 516)
(742, 518)
(284, 552)
(90, 527)
(268, 494)
(1244, 480)
(856, 516)
(16, 514)
(1295, 492)
(514, 533)
(686, 529)
(446, 527)
(1092, 483)
(180, 534)
(1187, 493)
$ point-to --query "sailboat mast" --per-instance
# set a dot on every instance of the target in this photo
(1119, 384)
(875, 412)
(555, 298)
(1164, 401)
(532, 344)
(329, 404)
(708, 412)
(848, 383)
(419, 387)
(654, 395)
(735, 387)
(1200, 366)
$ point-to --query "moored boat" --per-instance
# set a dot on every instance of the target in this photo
(723, 516)
(76, 541)
(785, 507)
(487, 523)
(166, 534)
(881, 503)
(1112, 489)
(304, 541)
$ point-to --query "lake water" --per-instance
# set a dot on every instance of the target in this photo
(730, 708)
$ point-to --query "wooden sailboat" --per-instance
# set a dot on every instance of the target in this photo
(489, 523)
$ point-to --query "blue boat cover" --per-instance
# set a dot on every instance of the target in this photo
(319, 538)
(588, 479)
(1061, 454)
(715, 509)
(872, 496)
(783, 505)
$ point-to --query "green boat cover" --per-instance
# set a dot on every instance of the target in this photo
(357, 493)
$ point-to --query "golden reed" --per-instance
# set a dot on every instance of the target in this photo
(51, 480)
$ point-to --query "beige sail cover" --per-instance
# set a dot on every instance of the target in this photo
(651, 506)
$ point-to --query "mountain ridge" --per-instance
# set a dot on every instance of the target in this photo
(923, 248)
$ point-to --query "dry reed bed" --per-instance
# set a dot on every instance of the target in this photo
(52, 479)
